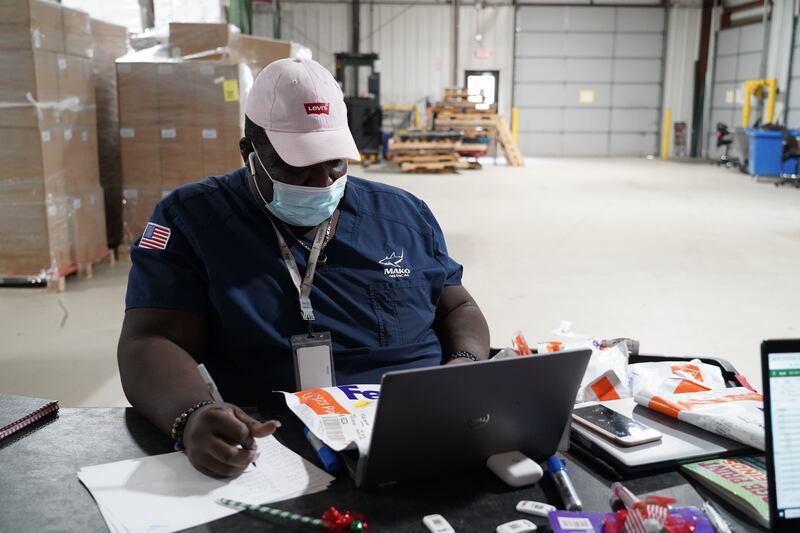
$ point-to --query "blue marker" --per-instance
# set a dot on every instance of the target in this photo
(558, 471)
(330, 461)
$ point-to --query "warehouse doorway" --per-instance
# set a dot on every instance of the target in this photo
(588, 80)
(487, 81)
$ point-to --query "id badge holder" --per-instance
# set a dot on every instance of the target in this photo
(313, 360)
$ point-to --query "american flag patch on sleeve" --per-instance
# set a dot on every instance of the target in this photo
(155, 237)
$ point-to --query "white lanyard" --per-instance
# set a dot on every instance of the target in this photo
(303, 285)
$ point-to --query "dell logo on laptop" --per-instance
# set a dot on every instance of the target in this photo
(479, 422)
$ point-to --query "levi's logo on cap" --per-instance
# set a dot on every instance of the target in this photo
(317, 108)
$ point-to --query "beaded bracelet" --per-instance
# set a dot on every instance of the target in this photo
(461, 355)
(180, 423)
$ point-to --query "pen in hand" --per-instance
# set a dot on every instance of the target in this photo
(212, 388)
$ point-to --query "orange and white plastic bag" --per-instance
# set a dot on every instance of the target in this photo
(606, 376)
(735, 413)
(674, 377)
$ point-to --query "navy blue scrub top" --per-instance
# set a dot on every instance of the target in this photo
(377, 294)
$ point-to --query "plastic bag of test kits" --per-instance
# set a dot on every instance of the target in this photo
(735, 413)
(606, 376)
(674, 377)
(341, 417)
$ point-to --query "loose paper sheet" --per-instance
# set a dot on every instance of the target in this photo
(165, 493)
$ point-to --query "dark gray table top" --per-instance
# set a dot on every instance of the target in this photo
(40, 491)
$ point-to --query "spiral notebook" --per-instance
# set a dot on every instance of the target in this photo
(20, 412)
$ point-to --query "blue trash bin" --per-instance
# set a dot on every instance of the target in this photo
(766, 152)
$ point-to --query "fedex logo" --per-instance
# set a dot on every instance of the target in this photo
(352, 392)
(317, 108)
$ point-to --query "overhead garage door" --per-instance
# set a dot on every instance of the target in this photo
(587, 80)
(737, 58)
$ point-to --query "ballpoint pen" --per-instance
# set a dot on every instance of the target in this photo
(212, 388)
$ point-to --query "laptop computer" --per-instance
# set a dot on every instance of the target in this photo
(442, 420)
(780, 371)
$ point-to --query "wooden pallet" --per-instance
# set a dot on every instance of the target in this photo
(459, 93)
(56, 277)
(461, 107)
(465, 116)
(510, 147)
(424, 158)
(478, 133)
(469, 165)
(437, 168)
(424, 155)
(57, 281)
(472, 147)
(464, 120)
(400, 146)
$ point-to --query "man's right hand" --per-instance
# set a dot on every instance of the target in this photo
(213, 436)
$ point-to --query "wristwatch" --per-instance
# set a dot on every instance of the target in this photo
(462, 355)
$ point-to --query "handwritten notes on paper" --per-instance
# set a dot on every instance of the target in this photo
(165, 493)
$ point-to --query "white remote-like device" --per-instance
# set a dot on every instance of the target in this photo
(534, 508)
(515, 468)
(516, 526)
(437, 524)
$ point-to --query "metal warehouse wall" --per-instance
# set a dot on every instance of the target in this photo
(414, 42)
(323, 27)
(739, 53)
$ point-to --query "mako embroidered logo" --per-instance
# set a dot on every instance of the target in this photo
(317, 108)
(392, 267)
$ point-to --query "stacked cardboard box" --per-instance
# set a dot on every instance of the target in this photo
(215, 40)
(187, 38)
(51, 205)
(180, 120)
(110, 42)
(257, 52)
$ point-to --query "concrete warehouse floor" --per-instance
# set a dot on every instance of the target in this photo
(688, 258)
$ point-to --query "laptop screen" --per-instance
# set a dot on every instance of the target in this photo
(784, 385)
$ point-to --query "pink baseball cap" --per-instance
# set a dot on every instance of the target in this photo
(301, 108)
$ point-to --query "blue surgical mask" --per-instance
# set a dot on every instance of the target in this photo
(298, 205)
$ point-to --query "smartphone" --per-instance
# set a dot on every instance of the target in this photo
(615, 426)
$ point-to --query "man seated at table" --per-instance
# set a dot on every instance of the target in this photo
(209, 283)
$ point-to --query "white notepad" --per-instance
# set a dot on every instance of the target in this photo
(164, 493)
